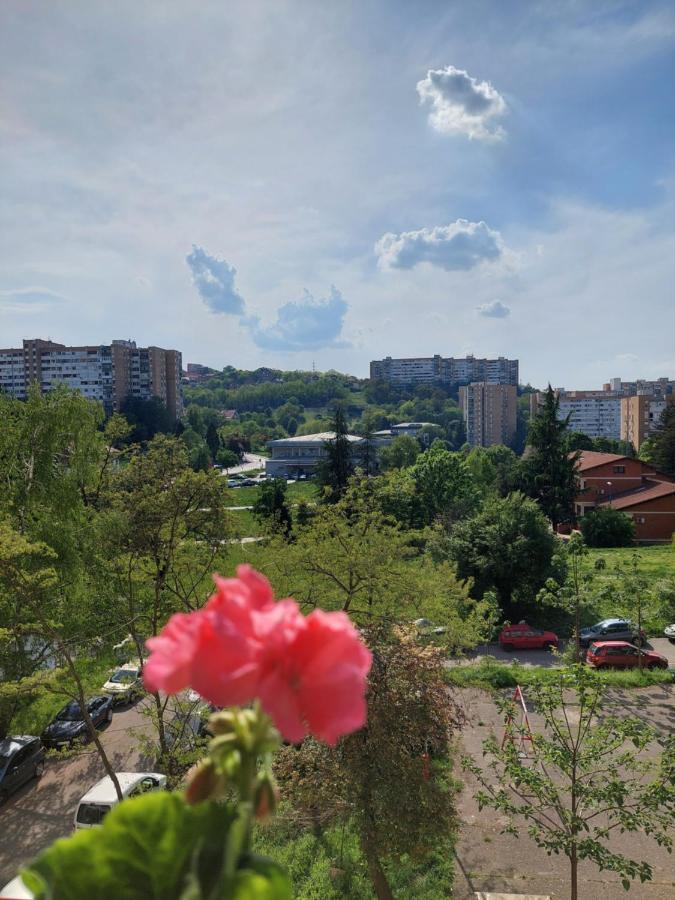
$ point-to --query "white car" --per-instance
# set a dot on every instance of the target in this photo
(125, 684)
(16, 890)
(669, 632)
(99, 800)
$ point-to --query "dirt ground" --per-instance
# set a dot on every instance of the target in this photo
(487, 860)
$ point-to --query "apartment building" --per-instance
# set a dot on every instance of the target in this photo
(594, 413)
(107, 373)
(444, 370)
(660, 388)
(640, 416)
(489, 412)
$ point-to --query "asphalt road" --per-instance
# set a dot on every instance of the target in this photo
(43, 809)
(251, 461)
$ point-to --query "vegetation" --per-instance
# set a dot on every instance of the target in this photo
(607, 527)
(662, 442)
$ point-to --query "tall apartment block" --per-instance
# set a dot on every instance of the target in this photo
(108, 373)
(640, 416)
(489, 413)
(444, 370)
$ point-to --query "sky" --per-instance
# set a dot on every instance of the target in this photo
(293, 182)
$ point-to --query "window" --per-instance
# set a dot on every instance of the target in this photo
(619, 470)
(640, 520)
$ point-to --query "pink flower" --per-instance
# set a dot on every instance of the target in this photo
(309, 673)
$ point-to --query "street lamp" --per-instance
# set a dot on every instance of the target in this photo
(609, 484)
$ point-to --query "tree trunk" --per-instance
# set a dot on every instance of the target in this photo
(573, 873)
(375, 870)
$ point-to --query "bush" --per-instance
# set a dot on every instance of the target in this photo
(607, 527)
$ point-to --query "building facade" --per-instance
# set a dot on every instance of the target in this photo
(444, 370)
(300, 455)
(489, 412)
(640, 417)
(107, 373)
(632, 486)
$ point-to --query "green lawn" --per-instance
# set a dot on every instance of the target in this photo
(299, 490)
(489, 673)
(656, 561)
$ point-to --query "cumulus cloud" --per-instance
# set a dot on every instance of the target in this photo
(29, 299)
(494, 310)
(462, 104)
(214, 279)
(459, 246)
(305, 324)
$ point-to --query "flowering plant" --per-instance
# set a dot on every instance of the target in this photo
(293, 675)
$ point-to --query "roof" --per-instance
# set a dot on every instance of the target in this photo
(590, 459)
(651, 490)
(104, 790)
(320, 438)
(412, 424)
(614, 643)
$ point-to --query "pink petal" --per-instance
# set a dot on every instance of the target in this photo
(281, 703)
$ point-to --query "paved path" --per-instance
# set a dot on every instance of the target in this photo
(43, 809)
(251, 461)
(487, 860)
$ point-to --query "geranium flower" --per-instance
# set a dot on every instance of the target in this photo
(308, 672)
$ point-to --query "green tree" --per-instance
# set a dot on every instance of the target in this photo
(377, 778)
(572, 593)
(551, 467)
(445, 485)
(337, 466)
(607, 527)
(271, 506)
(508, 547)
(662, 442)
(588, 778)
(212, 440)
(401, 453)
(147, 418)
(227, 458)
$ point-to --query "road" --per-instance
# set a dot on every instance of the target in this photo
(251, 461)
(43, 809)
(544, 657)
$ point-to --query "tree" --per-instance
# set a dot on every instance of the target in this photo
(585, 779)
(508, 547)
(607, 527)
(571, 593)
(445, 485)
(227, 458)
(380, 778)
(337, 467)
(147, 418)
(551, 467)
(271, 506)
(401, 453)
(212, 440)
(662, 442)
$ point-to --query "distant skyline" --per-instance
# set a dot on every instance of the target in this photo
(286, 182)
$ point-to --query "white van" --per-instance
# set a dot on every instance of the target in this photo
(98, 801)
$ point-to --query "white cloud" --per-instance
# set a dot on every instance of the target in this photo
(462, 245)
(305, 324)
(29, 300)
(214, 279)
(462, 104)
(494, 310)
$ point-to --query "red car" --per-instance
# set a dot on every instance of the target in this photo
(621, 654)
(525, 637)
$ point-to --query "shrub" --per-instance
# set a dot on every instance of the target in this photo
(607, 527)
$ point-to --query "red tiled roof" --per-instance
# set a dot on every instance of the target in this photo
(589, 459)
(651, 490)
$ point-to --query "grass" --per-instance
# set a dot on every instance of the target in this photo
(299, 490)
(488, 673)
(330, 866)
(655, 562)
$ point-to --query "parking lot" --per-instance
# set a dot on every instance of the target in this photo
(43, 809)
(545, 657)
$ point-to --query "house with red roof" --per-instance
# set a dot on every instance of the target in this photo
(631, 485)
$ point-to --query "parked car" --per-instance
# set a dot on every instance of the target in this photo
(426, 627)
(68, 725)
(100, 799)
(524, 637)
(669, 632)
(21, 758)
(125, 684)
(16, 890)
(622, 655)
(231, 483)
(612, 630)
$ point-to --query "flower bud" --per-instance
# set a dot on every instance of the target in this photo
(203, 783)
(266, 797)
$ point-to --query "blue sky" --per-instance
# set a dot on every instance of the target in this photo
(277, 183)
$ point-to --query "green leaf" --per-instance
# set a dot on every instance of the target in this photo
(154, 847)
